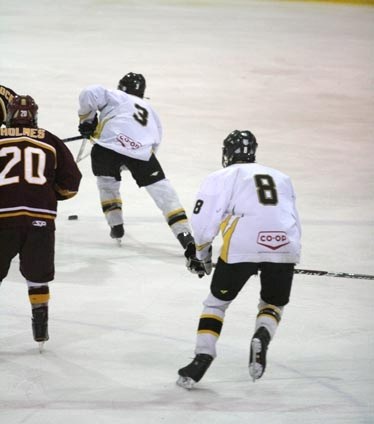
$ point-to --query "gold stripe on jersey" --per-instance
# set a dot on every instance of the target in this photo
(227, 232)
(202, 246)
(67, 194)
(83, 117)
(3, 108)
(21, 213)
(225, 223)
(100, 126)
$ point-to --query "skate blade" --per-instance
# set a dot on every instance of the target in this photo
(41, 346)
(186, 382)
(255, 369)
(118, 242)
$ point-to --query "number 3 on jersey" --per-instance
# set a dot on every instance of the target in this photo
(266, 189)
(141, 115)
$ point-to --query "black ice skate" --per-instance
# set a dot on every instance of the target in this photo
(195, 371)
(117, 232)
(40, 325)
(259, 345)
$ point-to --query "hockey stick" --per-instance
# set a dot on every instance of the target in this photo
(81, 155)
(334, 274)
(329, 274)
(81, 150)
(77, 137)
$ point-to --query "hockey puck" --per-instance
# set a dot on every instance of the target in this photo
(73, 217)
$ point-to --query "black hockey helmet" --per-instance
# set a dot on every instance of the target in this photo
(239, 147)
(133, 84)
(22, 112)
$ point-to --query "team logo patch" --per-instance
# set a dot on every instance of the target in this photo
(39, 223)
(272, 239)
(128, 142)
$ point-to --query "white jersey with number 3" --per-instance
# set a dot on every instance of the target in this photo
(127, 124)
(254, 207)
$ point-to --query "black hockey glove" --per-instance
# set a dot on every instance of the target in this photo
(197, 266)
(190, 250)
(87, 128)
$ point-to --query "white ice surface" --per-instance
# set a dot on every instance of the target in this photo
(123, 320)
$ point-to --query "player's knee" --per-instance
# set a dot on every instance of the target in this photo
(279, 299)
(107, 183)
(214, 302)
(165, 197)
(225, 294)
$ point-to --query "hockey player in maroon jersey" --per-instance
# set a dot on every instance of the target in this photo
(36, 170)
(6, 96)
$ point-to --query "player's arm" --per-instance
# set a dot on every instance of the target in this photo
(207, 215)
(295, 211)
(208, 212)
(159, 133)
(68, 176)
(6, 95)
(91, 99)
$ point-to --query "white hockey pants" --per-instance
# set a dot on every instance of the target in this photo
(162, 193)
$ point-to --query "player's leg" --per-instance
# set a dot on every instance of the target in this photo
(149, 174)
(37, 266)
(276, 282)
(9, 247)
(111, 203)
(106, 166)
(166, 198)
(227, 281)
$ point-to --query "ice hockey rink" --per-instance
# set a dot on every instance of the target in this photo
(299, 75)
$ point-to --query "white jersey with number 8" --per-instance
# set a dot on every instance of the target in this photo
(254, 207)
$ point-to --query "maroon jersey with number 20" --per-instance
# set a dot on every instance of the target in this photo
(36, 170)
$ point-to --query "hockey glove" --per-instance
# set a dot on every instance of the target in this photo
(190, 250)
(198, 266)
(87, 128)
(201, 268)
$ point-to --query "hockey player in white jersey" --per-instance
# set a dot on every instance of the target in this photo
(254, 208)
(127, 135)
